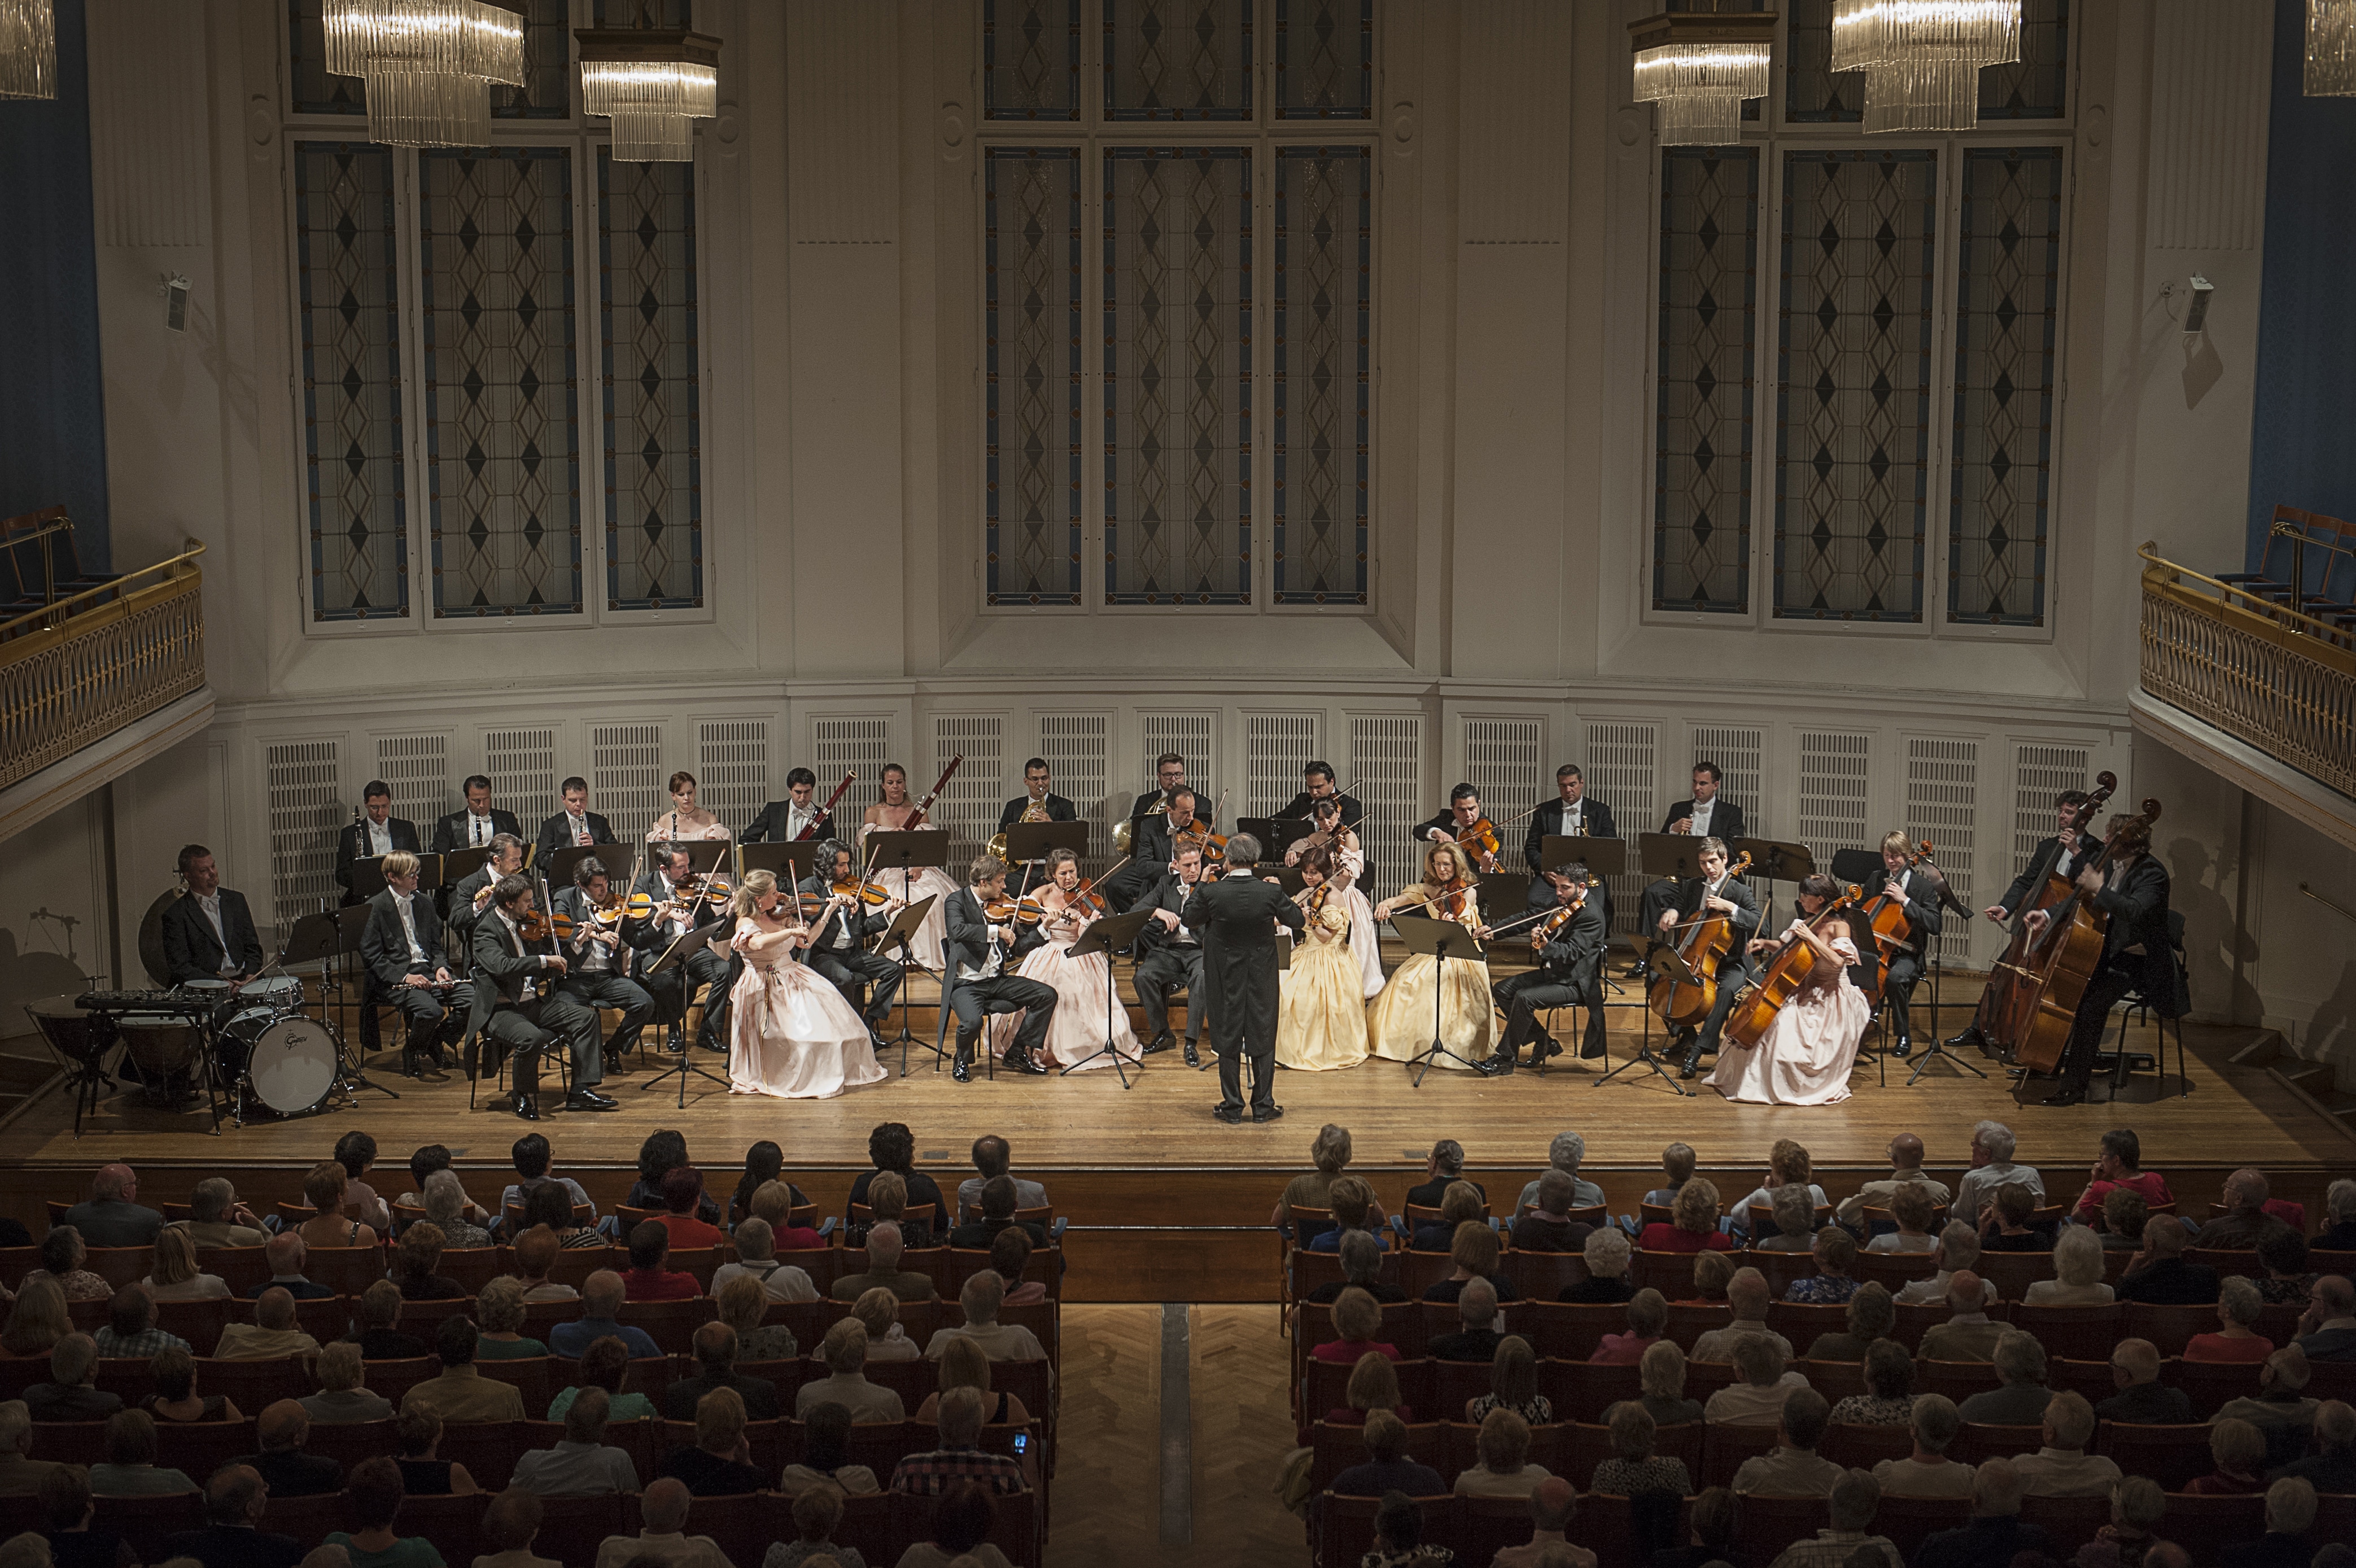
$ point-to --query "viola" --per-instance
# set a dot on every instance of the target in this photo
(871, 894)
(1702, 942)
(1199, 835)
(612, 913)
(1780, 978)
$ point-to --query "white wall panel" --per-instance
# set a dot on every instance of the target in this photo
(1836, 774)
(969, 803)
(860, 742)
(1275, 747)
(417, 768)
(521, 766)
(307, 810)
(1740, 751)
(1502, 760)
(1621, 771)
(1942, 806)
(1076, 748)
(731, 769)
(626, 775)
(1386, 761)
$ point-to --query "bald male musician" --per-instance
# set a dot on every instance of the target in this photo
(401, 953)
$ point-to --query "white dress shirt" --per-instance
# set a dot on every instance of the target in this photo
(577, 827)
(408, 929)
(997, 956)
(380, 835)
(210, 904)
(797, 818)
(1702, 813)
(478, 830)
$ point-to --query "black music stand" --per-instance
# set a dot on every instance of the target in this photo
(1027, 842)
(1104, 935)
(1287, 877)
(792, 861)
(1276, 835)
(1603, 857)
(901, 933)
(619, 859)
(460, 863)
(1442, 939)
(1674, 965)
(1503, 890)
(676, 956)
(317, 939)
(368, 875)
(1670, 856)
(1778, 861)
(908, 853)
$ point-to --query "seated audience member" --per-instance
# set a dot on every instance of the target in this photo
(356, 1157)
(2005, 1227)
(1549, 1226)
(582, 1463)
(1648, 1314)
(602, 1295)
(1553, 1504)
(1387, 1467)
(129, 1469)
(1911, 1209)
(2157, 1272)
(415, 1257)
(2062, 1467)
(1959, 1248)
(756, 1259)
(341, 1399)
(1905, 1171)
(646, 1279)
(816, 1511)
(532, 1159)
(2332, 1466)
(888, 1200)
(1373, 1385)
(446, 1204)
(510, 1524)
(1009, 1259)
(1566, 1154)
(998, 1203)
(1709, 1531)
(883, 1270)
(1992, 1167)
(175, 1401)
(742, 1304)
(2142, 1399)
(1855, 1499)
(1476, 1338)
(287, 1257)
(783, 1205)
(2338, 1233)
(1633, 1468)
(68, 1506)
(1928, 1472)
(2021, 1397)
(130, 1330)
(111, 1216)
(283, 1465)
(174, 1274)
(662, 1541)
(272, 1335)
(878, 1312)
(1747, 1297)
(2119, 1167)
(2280, 1409)
(328, 1189)
(963, 1366)
(825, 1450)
(2123, 1215)
(63, 1253)
(1351, 1202)
(1504, 1470)
(549, 1205)
(2283, 1254)
(427, 1159)
(1871, 1316)
(1474, 1252)
(2326, 1330)
(1607, 1254)
(1970, 1335)
(2238, 1306)
(1890, 1398)
(2239, 1450)
(606, 1364)
(1762, 1385)
(372, 1499)
(1995, 1534)
(39, 1317)
(417, 1437)
(714, 1346)
(1794, 1208)
(764, 1163)
(1788, 1165)
(2077, 1273)
(992, 1156)
(710, 1465)
(1356, 1320)
(462, 1393)
(892, 1150)
(1832, 1283)
(233, 1536)
(962, 1519)
(20, 1477)
(1362, 1266)
(1712, 1273)
(1512, 1385)
(1312, 1189)
(682, 1195)
(2245, 1218)
(69, 1395)
(983, 1294)
(960, 1456)
(1398, 1537)
(535, 1253)
(1677, 1163)
(1662, 1377)
(1692, 1226)
(2290, 1514)
(1793, 1468)
(844, 1351)
(2132, 1535)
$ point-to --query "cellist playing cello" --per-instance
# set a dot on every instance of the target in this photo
(2137, 952)
(1713, 892)
(1805, 1056)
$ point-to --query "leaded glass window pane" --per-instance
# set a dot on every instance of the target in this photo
(2036, 85)
(1324, 59)
(1701, 459)
(1031, 374)
(1177, 377)
(547, 92)
(1324, 278)
(348, 275)
(1853, 395)
(1178, 60)
(2007, 303)
(652, 389)
(1813, 93)
(502, 451)
(313, 91)
(1031, 60)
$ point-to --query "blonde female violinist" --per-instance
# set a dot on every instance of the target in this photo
(889, 815)
(1075, 1036)
(1349, 864)
(1805, 1056)
(1398, 1024)
(685, 822)
(1321, 1020)
(790, 1033)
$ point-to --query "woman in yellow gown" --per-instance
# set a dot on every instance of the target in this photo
(1399, 1022)
(1320, 1021)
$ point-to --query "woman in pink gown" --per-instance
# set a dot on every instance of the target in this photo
(1075, 1036)
(790, 1033)
(1349, 868)
(1806, 1055)
(889, 815)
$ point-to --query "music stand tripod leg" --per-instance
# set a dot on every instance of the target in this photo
(1439, 1001)
(1644, 1057)
(1119, 1064)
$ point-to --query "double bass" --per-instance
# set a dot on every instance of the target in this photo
(2062, 958)
(1701, 941)
(1999, 1017)
(1780, 978)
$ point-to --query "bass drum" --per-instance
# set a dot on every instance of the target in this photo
(292, 1066)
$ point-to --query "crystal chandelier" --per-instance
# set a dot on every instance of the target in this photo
(1699, 65)
(28, 50)
(654, 83)
(428, 64)
(2331, 48)
(1921, 59)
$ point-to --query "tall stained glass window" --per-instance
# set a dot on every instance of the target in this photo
(1031, 374)
(1031, 60)
(1324, 59)
(1325, 297)
(1704, 391)
(651, 392)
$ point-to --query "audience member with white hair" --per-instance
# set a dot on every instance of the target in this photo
(981, 1299)
(2338, 1233)
(2290, 1514)
(1905, 1171)
(756, 1254)
(2021, 1397)
(2137, 1509)
(1477, 1336)
(1566, 1154)
(287, 1255)
(2332, 1466)
(2239, 1305)
(2248, 1214)
(1606, 1253)
(1927, 1472)
(216, 1218)
(1553, 1504)
(1992, 1167)
(884, 1252)
(274, 1334)
(2062, 1467)
(2077, 1273)
(844, 1351)
(662, 1536)
(1959, 1248)
(2143, 1399)
(1502, 1468)
(2326, 1330)
(1762, 1385)
(1362, 1267)
(2160, 1274)
(1969, 1334)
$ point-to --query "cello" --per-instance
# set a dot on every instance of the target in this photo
(1780, 978)
(1891, 928)
(2062, 958)
(1701, 941)
(1997, 1017)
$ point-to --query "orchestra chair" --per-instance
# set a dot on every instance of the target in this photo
(197, 1322)
(670, 1324)
(527, 1375)
(473, 1267)
(2091, 1378)
(572, 1528)
(2072, 1522)
(454, 1525)
(2172, 1455)
(347, 1271)
(119, 1266)
(2205, 1526)
(1803, 1322)
(69, 1442)
(1863, 1447)
(1623, 1529)
(1780, 1269)
(1908, 1521)
(423, 1318)
(1959, 1381)
(2014, 1272)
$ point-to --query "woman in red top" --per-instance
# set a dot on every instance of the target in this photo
(1693, 1226)
(2239, 1450)
(646, 1279)
(1357, 1318)
(2238, 1306)
(682, 1191)
(1648, 1314)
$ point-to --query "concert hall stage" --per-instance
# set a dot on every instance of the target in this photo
(1166, 1204)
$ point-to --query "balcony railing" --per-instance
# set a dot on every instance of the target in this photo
(73, 672)
(2281, 681)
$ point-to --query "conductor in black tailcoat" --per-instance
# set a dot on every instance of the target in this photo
(1237, 917)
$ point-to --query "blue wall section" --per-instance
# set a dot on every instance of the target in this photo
(2301, 449)
(52, 411)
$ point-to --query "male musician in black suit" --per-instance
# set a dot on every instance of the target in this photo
(210, 934)
(2139, 950)
(782, 822)
(1707, 815)
(1036, 793)
(377, 831)
(1463, 810)
(2066, 849)
(868, 980)
(705, 972)
(575, 825)
(1172, 954)
(1917, 887)
(1714, 892)
(1571, 814)
(478, 823)
(1317, 784)
(598, 959)
(472, 895)
(1569, 973)
(1237, 918)
(507, 1012)
(978, 958)
(401, 953)
(1148, 848)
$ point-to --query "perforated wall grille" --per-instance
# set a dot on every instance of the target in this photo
(1386, 761)
(1190, 735)
(306, 810)
(1836, 770)
(2039, 773)
(1275, 745)
(1075, 747)
(521, 764)
(854, 742)
(1620, 770)
(417, 768)
(1738, 752)
(627, 774)
(969, 806)
(1503, 761)
(731, 769)
(1943, 779)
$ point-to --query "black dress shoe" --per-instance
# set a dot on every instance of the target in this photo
(1497, 1066)
(1164, 1041)
(1017, 1059)
(525, 1109)
(706, 1043)
(1194, 1057)
(589, 1099)
(1545, 1047)
(2071, 1096)
(960, 1069)
(1902, 1048)
(1228, 1114)
(1970, 1036)
(1589, 1053)
(1274, 1112)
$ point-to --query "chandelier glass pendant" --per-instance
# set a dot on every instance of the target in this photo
(429, 65)
(2331, 48)
(1699, 65)
(654, 83)
(28, 50)
(1921, 59)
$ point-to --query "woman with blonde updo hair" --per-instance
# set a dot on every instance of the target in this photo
(790, 1033)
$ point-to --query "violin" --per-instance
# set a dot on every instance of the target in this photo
(825, 812)
(1547, 924)
(1703, 942)
(871, 894)
(617, 910)
(1479, 839)
(1199, 835)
